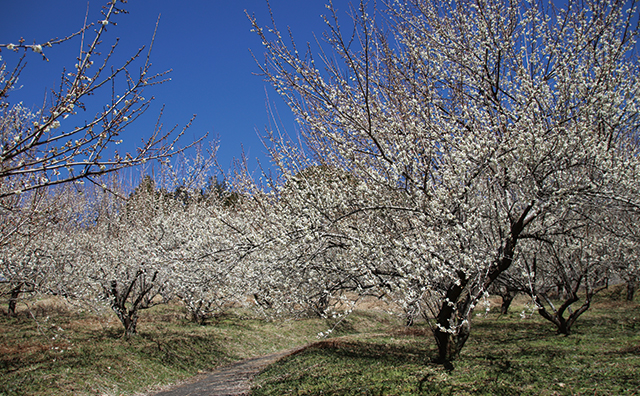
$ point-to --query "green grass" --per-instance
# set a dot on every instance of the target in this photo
(67, 353)
(505, 355)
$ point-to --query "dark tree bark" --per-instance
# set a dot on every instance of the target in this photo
(320, 304)
(451, 341)
(127, 302)
(196, 313)
(564, 325)
(412, 312)
(263, 301)
(127, 316)
(16, 290)
(507, 299)
(200, 312)
(13, 299)
(631, 287)
(556, 317)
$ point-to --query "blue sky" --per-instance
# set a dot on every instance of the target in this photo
(206, 43)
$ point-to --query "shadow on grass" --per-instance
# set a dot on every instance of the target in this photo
(183, 351)
(95, 360)
(504, 356)
(416, 352)
(396, 366)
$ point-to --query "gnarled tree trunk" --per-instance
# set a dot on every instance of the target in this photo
(451, 340)
(556, 317)
(458, 298)
(128, 301)
(507, 299)
(563, 325)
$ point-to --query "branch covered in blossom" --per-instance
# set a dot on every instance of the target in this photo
(47, 148)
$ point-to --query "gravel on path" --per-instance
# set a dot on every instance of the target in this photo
(232, 380)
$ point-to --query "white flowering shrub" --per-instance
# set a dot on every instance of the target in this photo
(38, 245)
(208, 270)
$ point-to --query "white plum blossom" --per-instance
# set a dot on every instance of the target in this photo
(467, 131)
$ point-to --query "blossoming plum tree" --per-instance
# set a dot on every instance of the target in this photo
(626, 259)
(48, 148)
(579, 260)
(470, 126)
(207, 264)
(27, 261)
(155, 246)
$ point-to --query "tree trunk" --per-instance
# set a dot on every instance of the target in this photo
(450, 345)
(631, 288)
(198, 312)
(128, 318)
(13, 300)
(507, 298)
(563, 326)
(409, 321)
(130, 325)
(320, 305)
(412, 312)
(450, 341)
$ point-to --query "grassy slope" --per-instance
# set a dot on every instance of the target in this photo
(505, 355)
(64, 353)
(82, 354)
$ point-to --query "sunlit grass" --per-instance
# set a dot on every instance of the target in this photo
(506, 355)
(67, 353)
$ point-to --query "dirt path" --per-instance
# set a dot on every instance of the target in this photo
(232, 380)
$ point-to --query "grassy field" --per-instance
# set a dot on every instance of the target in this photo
(68, 353)
(505, 355)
